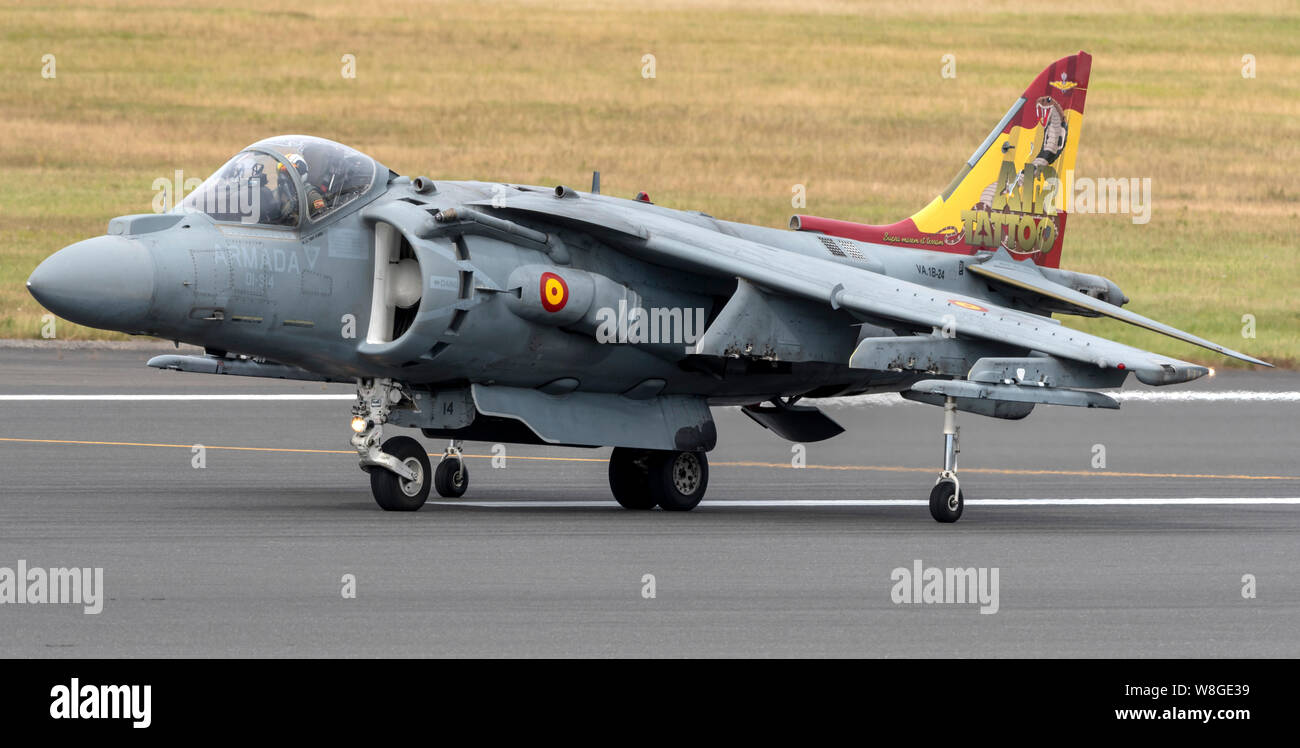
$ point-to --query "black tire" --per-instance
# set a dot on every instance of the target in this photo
(451, 479)
(677, 480)
(394, 494)
(944, 507)
(628, 473)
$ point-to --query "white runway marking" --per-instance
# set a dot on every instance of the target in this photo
(748, 504)
(1222, 396)
(887, 399)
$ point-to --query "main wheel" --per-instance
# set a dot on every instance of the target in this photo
(394, 493)
(677, 480)
(946, 502)
(451, 479)
(628, 471)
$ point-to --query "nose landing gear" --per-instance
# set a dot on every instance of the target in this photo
(400, 474)
(394, 492)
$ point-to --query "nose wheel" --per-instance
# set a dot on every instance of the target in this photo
(395, 493)
(400, 474)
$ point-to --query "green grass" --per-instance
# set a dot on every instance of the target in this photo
(750, 98)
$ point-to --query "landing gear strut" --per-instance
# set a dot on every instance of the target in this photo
(646, 478)
(946, 498)
(400, 475)
(452, 477)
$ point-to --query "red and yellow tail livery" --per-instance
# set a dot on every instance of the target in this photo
(1011, 191)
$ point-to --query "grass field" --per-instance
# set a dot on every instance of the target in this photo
(748, 99)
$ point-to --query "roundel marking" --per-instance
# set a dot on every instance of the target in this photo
(555, 292)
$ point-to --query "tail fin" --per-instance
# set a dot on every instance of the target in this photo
(1009, 193)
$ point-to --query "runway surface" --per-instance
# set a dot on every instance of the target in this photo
(247, 556)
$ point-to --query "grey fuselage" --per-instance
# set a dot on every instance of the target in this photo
(303, 297)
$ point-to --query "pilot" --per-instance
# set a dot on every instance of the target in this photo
(299, 163)
(319, 178)
(286, 197)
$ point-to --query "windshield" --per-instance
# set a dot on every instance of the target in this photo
(251, 188)
(333, 175)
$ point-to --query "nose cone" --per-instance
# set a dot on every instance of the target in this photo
(105, 282)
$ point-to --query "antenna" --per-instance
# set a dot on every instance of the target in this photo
(595, 183)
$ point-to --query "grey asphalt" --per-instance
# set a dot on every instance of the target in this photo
(246, 556)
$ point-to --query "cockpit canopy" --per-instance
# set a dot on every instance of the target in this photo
(281, 180)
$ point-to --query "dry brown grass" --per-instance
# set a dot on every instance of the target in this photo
(750, 98)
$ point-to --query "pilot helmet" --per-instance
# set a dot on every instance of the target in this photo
(298, 162)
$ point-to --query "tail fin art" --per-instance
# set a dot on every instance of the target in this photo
(1009, 193)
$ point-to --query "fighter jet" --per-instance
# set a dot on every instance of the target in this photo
(510, 313)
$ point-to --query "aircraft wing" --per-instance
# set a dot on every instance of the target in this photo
(1001, 268)
(673, 242)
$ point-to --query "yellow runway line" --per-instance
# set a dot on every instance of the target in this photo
(738, 463)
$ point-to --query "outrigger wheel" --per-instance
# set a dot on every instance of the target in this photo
(397, 494)
(946, 499)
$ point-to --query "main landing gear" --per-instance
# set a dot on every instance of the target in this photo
(646, 478)
(946, 499)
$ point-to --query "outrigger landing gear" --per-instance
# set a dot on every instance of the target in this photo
(946, 499)
(646, 478)
(400, 476)
(452, 476)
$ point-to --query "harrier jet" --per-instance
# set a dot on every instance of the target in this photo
(517, 314)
